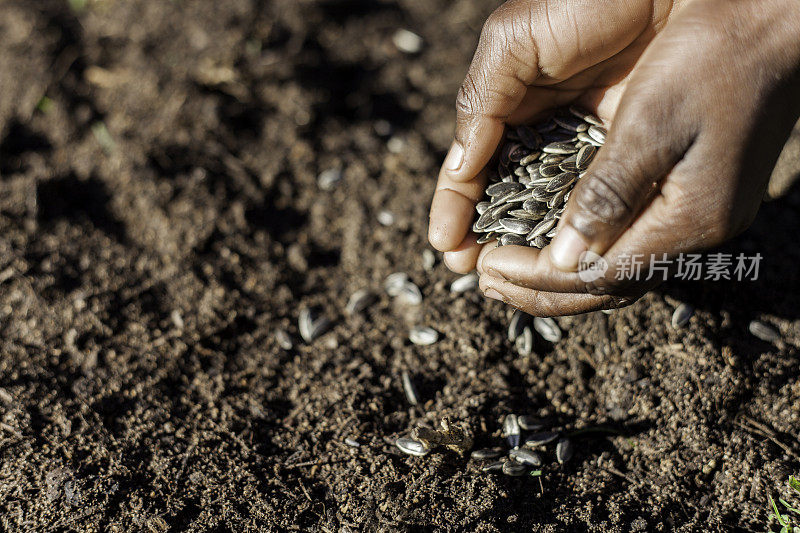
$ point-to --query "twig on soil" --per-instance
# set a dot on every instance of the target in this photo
(765, 431)
(314, 463)
(623, 475)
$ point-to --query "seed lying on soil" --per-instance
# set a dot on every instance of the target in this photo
(541, 438)
(428, 260)
(497, 466)
(409, 294)
(539, 165)
(352, 442)
(329, 178)
(547, 328)
(486, 453)
(283, 339)
(385, 218)
(527, 457)
(682, 315)
(465, 283)
(311, 326)
(409, 389)
(511, 430)
(412, 447)
(764, 332)
(359, 300)
(513, 468)
(564, 450)
(528, 423)
(423, 335)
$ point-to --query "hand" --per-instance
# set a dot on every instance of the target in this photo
(700, 122)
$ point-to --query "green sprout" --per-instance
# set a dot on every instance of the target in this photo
(790, 520)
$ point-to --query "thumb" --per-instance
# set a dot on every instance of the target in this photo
(644, 143)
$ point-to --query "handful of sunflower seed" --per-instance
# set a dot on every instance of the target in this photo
(539, 166)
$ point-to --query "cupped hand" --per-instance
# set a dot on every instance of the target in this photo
(700, 98)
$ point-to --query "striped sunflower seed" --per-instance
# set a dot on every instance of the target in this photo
(541, 438)
(529, 423)
(311, 325)
(514, 225)
(561, 148)
(598, 133)
(487, 237)
(513, 468)
(409, 389)
(412, 447)
(527, 457)
(541, 228)
(524, 343)
(423, 335)
(561, 181)
(585, 156)
(564, 450)
(547, 328)
(359, 300)
(496, 466)
(511, 430)
(465, 283)
(682, 315)
(762, 331)
(503, 189)
(519, 321)
(512, 239)
(486, 453)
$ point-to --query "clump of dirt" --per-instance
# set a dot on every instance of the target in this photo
(160, 220)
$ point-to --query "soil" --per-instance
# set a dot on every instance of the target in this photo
(160, 220)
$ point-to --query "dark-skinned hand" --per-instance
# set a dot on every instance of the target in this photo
(700, 96)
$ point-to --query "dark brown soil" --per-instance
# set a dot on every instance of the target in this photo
(160, 220)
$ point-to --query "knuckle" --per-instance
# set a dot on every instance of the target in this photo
(601, 198)
(468, 100)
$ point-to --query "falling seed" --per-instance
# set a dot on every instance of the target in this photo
(283, 339)
(519, 320)
(529, 423)
(564, 450)
(428, 260)
(407, 41)
(465, 283)
(411, 446)
(547, 328)
(682, 315)
(524, 342)
(329, 178)
(359, 300)
(541, 438)
(423, 335)
(352, 442)
(394, 283)
(511, 430)
(527, 457)
(764, 332)
(177, 319)
(486, 453)
(409, 389)
(312, 327)
(409, 294)
(513, 468)
(385, 218)
(395, 145)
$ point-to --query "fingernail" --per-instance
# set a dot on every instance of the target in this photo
(454, 157)
(493, 294)
(566, 248)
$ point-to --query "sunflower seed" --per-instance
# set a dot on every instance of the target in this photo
(512, 239)
(529, 159)
(519, 320)
(409, 389)
(511, 430)
(539, 242)
(551, 159)
(547, 328)
(428, 259)
(764, 332)
(394, 283)
(329, 178)
(520, 227)
(585, 156)
(545, 126)
(481, 207)
(513, 468)
(568, 123)
(503, 188)
(585, 116)
(558, 198)
(564, 450)
(524, 215)
(283, 339)
(352, 442)
(501, 210)
(497, 466)
(359, 300)
(464, 283)
(311, 326)
(520, 196)
(486, 453)
(385, 218)
(409, 294)
(517, 153)
(529, 137)
(562, 148)
(550, 170)
(412, 447)
(561, 181)
(543, 227)
(423, 335)
(597, 133)
(529, 423)
(682, 315)
(527, 457)
(486, 237)
(541, 194)
(541, 438)
(569, 164)
(535, 207)
(524, 343)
